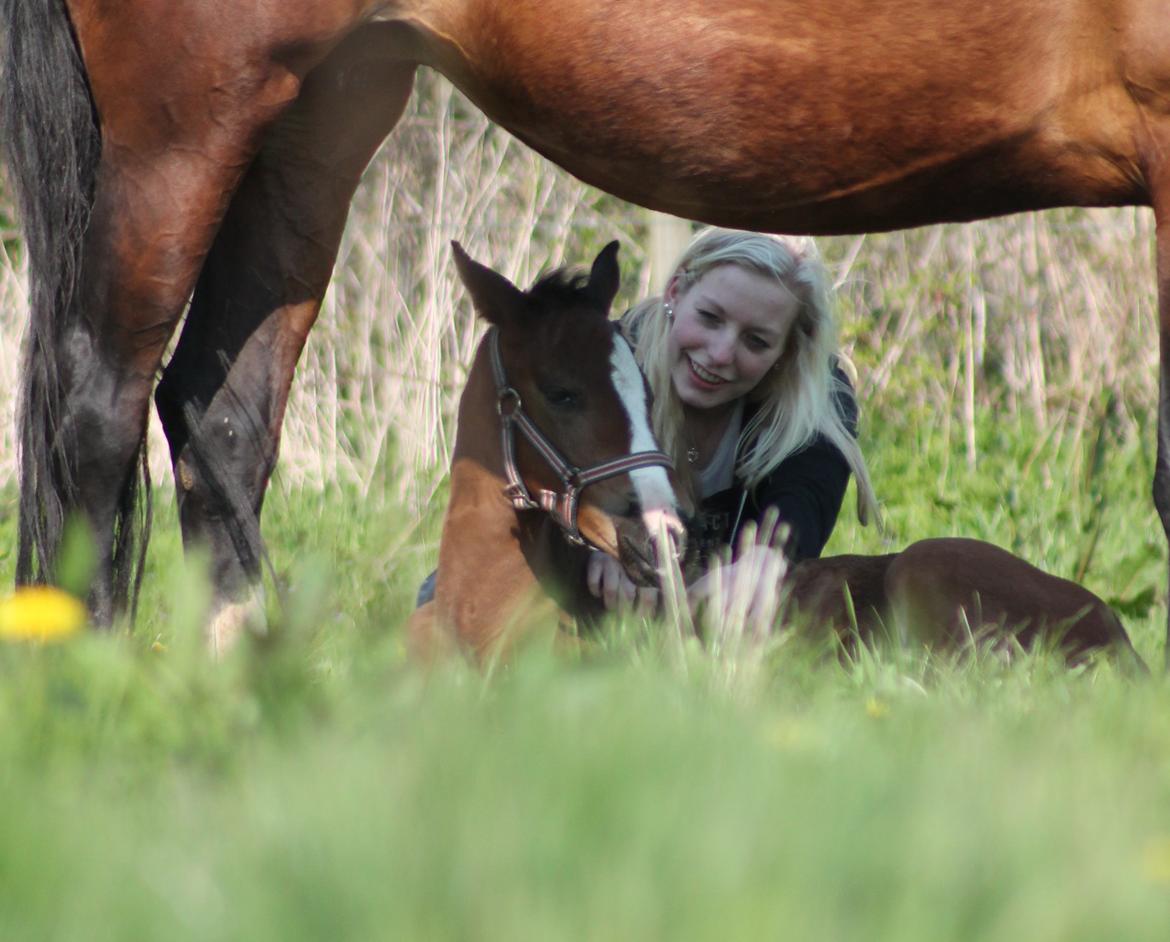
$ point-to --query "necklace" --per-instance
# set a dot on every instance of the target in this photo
(696, 441)
(704, 437)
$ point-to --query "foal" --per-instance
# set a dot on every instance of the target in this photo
(949, 593)
(553, 453)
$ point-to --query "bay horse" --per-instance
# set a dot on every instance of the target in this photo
(553, 455)
(165, 152)
(951, 594)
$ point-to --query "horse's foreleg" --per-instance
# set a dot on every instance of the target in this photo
(223, 394)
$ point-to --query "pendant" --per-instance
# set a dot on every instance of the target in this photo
(692, 454)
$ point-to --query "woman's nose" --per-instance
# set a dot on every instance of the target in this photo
(722, 350)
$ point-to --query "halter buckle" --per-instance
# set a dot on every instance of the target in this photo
(507, 402)
(519, 496)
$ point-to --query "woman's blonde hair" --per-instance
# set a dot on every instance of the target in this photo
(797, 400)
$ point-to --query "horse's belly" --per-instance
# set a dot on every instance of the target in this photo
(748, 116)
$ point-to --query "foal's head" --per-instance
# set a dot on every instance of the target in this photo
(578, 382)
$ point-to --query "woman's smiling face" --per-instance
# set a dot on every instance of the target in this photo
(729, 329)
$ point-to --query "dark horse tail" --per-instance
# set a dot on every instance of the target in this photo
(52, 143)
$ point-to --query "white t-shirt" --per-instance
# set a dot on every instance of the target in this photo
(719, 473)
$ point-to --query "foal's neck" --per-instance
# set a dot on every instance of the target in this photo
(501, 571)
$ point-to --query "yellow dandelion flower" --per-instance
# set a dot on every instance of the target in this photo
(40, 613)
(1156, 860)
(876, 709)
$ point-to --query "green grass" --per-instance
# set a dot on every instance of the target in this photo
(318, 786)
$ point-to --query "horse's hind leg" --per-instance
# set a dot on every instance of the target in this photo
(1161, 200)
(146, 235)
(177, 132)
(223, 394)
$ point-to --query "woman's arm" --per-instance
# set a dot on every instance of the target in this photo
(807, 488)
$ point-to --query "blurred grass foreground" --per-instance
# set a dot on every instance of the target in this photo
(318, 786)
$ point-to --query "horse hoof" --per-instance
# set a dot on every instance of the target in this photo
(230, 622)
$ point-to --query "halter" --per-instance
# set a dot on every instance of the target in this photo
(562, 507)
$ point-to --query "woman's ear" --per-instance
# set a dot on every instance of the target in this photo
(670, 295)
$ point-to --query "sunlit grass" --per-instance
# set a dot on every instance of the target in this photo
(318, 785)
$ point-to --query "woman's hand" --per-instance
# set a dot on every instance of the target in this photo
(748, 588)
(607, 580)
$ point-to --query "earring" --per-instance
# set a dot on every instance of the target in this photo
(669, 310)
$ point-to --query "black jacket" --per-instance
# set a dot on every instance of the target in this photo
(806, 488)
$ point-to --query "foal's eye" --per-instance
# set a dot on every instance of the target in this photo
(561, 398)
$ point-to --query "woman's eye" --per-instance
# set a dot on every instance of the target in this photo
(756, 344)
(707, 317)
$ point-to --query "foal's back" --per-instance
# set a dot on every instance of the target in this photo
(949, 592)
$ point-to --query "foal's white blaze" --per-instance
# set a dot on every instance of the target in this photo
(652, 486)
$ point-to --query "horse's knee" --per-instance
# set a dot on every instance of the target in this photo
(222, 457)
(223, 445)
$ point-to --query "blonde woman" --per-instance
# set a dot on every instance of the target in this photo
(741, 353)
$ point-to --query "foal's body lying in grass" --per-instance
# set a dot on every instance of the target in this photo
(950, 593)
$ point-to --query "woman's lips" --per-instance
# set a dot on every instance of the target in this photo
(704, 377)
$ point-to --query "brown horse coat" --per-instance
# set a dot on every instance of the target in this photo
(951, 593)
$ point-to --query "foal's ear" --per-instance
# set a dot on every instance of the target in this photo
(604, 277)
(495, 298)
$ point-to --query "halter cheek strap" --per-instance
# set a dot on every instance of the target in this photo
(561, 506)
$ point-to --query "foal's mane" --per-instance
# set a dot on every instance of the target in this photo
(561, 286)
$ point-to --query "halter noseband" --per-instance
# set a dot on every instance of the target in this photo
(562, 507)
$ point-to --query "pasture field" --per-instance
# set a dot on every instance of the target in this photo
(318, 786)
